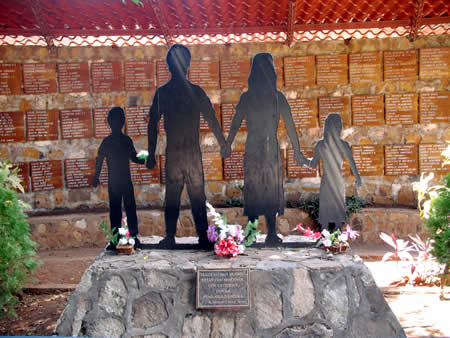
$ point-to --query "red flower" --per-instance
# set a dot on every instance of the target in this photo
(226, 247)
(308, 232)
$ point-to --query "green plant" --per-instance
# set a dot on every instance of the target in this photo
(434, 205)
(109, 234)
(353, 204)
(18, 251)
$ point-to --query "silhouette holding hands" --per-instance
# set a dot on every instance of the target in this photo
(180, 103)
(332, 150)
(262, 106)
(118, 149)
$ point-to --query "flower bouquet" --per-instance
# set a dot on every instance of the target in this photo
(335, 242)
(230, 240)
(122, 240)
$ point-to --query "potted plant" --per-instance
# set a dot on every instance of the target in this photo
(122, 240)
(335, 242)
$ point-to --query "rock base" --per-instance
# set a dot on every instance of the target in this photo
(294, 292)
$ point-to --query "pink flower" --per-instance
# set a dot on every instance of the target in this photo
(352, 234)
(309, 233)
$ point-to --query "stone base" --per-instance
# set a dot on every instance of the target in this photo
(294, 292)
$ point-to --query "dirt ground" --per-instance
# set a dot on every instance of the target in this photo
(418, 309)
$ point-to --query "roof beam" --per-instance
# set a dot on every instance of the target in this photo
(162, 22)
(416, 20)
(292, 12)
(44, 29)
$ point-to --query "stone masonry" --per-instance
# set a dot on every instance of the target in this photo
(78, 230)
(294, 293)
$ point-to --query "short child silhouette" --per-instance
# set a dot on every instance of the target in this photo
(332, 150)
(118, 149)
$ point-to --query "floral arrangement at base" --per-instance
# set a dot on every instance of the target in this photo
(230, 240)
(122, 239)
(337, 241)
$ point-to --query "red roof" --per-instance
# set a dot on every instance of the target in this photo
(91, 22)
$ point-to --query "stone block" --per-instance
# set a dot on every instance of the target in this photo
(306, 331)
(267, 302)
(196, 326)
(303, 293)
(149, 310)
(42, 200)
(113, 296)
(31, 152)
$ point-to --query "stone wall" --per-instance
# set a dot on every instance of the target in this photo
(78, 230)
(379, 189)
(301, 293)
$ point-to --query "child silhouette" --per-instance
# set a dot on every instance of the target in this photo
(332, 150)
(118, 149)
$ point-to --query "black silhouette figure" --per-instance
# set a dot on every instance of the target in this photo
(332, 150)
(180, 103)
(262, 105)
(118, 149)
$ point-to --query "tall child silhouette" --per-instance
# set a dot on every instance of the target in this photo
(332, 150)
(118, 149)
(180, 103)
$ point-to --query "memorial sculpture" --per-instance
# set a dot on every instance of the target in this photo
(180, 103)
(118, 149)
(331, 151)
(262, 106)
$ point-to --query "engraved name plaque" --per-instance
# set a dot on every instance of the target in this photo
(137, 120)
(228, 110)
(431, 158)
(233, 166)
(435, 107)
(205, 73)
(73, 77)
(10, 79)
(365, 67)
(299, 71)
(234, 74)
(223, 289)
(367, 110)
(368, 159)
(335, 104)
(39, 78)
(435, 63)
(23, 174)
(294, 170)
(401, 108)
(204, 126)
(304, 112)
(46, 175)
(212, 166)
(79, 172)
(12, 127)
(76, 123)
(42, 125)
(332, 70)
(106, 77)
(101, 127)
(400, 65)
(400, 160)
(162, 73)
(139, 75)
(141, 175)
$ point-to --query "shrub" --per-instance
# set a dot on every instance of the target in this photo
(17, 252)
(353, 204)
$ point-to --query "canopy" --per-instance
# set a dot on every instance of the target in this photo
(160, 22)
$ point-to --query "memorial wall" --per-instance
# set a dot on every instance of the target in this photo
(393, 97)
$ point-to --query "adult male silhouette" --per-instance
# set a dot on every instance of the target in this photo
(180, 103)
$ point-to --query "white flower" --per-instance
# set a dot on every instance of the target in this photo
(122, 231)
(123, 241)
(241, 248)
(343, 238)
(223, 233)
(327, 243)
(131, 241)
(326, 233)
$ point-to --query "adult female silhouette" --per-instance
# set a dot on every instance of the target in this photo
(262, 106)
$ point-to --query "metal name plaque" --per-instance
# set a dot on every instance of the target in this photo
(223, 289)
